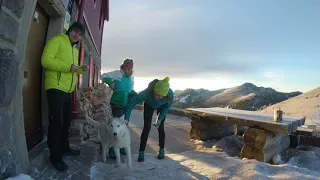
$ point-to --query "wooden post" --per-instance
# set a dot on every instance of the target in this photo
(277, 115)
(195, 128)
(262, 145)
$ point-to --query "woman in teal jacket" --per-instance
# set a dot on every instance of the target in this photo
(122, 83)
(158, 96)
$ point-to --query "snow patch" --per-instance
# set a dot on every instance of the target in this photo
(184, 99)
(20, 177)
(209, 164)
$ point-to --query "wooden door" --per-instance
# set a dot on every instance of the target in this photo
(32, 78)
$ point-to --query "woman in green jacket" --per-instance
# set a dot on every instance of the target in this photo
(60, 61)
(122, 83)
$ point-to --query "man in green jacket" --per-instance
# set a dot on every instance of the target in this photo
(60, 61)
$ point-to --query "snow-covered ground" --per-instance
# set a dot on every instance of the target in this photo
(211, 160)
(20, 177)
(210, 164)
(216, 160)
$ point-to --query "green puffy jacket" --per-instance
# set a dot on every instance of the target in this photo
(57, 57)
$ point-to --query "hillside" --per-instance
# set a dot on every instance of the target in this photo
(307, 104)
(246, 96)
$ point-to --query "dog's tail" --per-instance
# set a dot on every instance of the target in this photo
(94, 123)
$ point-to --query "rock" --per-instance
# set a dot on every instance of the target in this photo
(5, 128)
(8, 75)
(231, 145)
(197, 142)
(209, 143)
(276, 159)
(94, 102)
(9, 163)
(9, 28)
(220, 145)
(16, 6)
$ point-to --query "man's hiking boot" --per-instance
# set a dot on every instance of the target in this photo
(71, 152)
(60, 165)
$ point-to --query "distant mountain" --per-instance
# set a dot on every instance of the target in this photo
(246, 96)
(307, 104)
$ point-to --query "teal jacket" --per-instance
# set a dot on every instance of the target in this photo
(146, 96)
(123, 86)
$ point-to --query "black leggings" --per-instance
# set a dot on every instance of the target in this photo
(60, 114)
(147, 115)
(117, 110)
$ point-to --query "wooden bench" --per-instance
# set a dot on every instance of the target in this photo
(263, 137)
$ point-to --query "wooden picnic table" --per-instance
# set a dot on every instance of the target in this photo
(263, 139)
(248, 118)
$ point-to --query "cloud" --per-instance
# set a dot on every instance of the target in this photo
(141, 19)
(274, 77)
(163, 41)
(211, 39)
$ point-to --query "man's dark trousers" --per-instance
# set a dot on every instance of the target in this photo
(60, 114)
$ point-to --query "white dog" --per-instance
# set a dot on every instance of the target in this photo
(113, 133)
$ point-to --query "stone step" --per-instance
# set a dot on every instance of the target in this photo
(79, 167)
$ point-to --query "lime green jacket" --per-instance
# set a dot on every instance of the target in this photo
(57, 57)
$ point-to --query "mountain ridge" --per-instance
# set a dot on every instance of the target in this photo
(246, 97)
(306, 104)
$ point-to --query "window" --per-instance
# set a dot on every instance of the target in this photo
(100, 20)
(99, 74)
(91, 73)
(81, 62)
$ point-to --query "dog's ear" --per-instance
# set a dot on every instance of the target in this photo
(122, 118)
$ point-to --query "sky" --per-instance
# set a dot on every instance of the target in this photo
(214, 44)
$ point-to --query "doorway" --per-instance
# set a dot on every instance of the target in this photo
(33, 77)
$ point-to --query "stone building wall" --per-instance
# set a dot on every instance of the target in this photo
(15, 19)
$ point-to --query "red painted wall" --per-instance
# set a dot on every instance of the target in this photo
(94, 15)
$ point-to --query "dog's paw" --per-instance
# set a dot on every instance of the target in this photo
(104, 159)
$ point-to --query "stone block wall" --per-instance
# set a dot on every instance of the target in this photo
(13, 149)
(15, 21)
